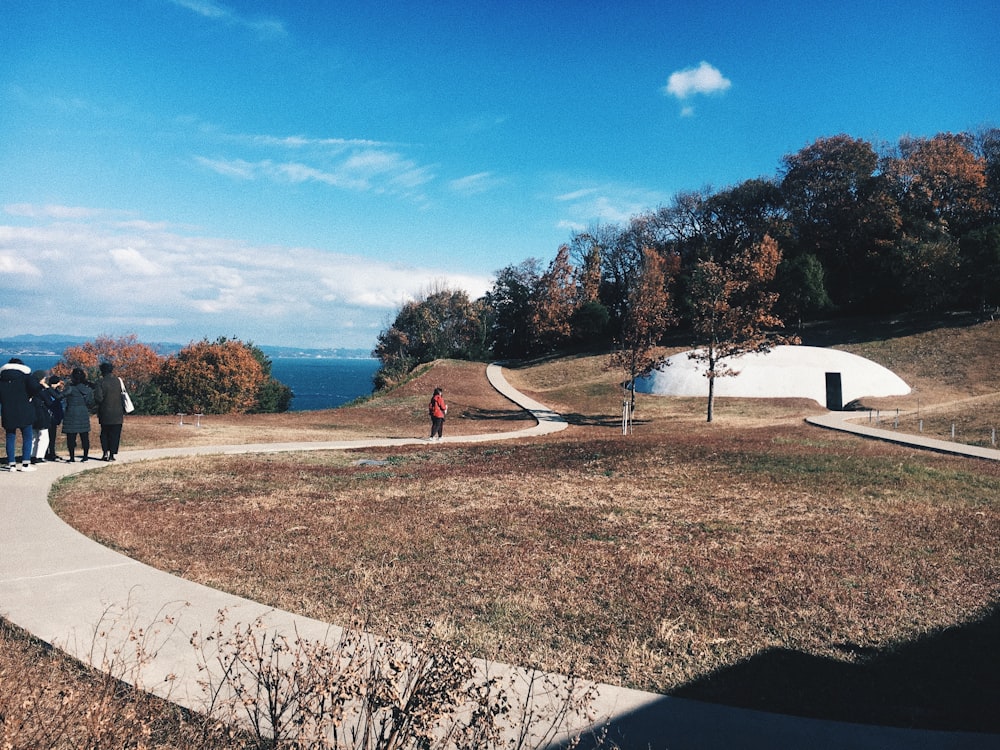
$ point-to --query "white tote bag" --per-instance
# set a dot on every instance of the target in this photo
(126, 399)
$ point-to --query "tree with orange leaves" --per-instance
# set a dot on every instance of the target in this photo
(213, 377)
(556, 300)
(733, 310)
(136, 363)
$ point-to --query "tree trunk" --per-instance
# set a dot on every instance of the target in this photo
(711, 395)
(711, 380)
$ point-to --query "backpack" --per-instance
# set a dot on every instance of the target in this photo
(43, 420)
(54, 405)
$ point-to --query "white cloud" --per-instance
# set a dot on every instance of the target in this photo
(576, 195)
(299, 142)
(704, 79)
(605, 204)
(33, 211)
(473, 184)
(368, 169)
(265, 27)
(164, 284)
(11, 264)
(237, 168)
(131, 261)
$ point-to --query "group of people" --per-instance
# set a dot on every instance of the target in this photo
(35, 404)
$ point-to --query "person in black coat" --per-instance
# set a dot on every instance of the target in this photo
(78, 398)
(43, 401)
(16, 410)
(110, 410)
(56, 412)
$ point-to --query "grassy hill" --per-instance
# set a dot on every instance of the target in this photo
(755, 560)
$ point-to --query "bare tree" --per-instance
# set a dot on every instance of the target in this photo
(650, 313)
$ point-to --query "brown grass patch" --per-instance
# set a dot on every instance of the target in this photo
(715, 561)
(47, 700)
(474, 409)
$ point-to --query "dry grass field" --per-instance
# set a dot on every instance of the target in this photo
(755, 560)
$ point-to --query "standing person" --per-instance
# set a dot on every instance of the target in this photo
(79, 399)
(43, 417)
(110, 410)
(56, 412)
(17, 389)
(438, 410)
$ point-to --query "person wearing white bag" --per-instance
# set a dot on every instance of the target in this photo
(109, 392)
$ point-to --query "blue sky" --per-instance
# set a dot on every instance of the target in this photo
(290, 172)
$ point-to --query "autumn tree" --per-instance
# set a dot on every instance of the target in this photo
(840, 211)
(739, 216)
(619, 252)
(800, 283)
(986, 145)
(508, 305)
(940, 186)
(446, 323)
(135, 363)
(590, 275)
(554, 303)
(940, 183)
(213, 377)
(733, 310)
(649, 315)
(980, 263)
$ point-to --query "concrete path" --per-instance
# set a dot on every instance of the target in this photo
(853, 422)
(91, 601)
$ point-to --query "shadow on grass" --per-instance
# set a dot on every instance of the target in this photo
(946, 681)
(496, 415)
(949, 680)
(599, 420)
(864, 329)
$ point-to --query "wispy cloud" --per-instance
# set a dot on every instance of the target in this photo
(357, 169)
(303, 142)
(703, 80)
(264, 27)
(604, 204)
(474, 184)
(49, 211)
(166, 283)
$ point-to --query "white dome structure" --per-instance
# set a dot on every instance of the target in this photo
(830, 377)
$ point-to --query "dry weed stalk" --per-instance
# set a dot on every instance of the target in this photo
(50, 701)
(363, 693)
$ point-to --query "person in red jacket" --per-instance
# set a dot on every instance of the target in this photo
(438, 409)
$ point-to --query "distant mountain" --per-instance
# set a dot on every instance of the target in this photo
(31, 345)
(300, 353)
(53, 344)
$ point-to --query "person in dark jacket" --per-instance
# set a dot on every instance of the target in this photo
(43, 417)
(110, 410)
(56, 411)
(16, 411)
(79, 399)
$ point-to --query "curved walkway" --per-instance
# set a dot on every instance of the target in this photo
(845, 421)
(65, 588)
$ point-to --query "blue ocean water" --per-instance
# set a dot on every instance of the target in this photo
(324, 383)
(318, 383)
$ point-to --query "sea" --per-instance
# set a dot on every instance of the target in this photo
(317, 382)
